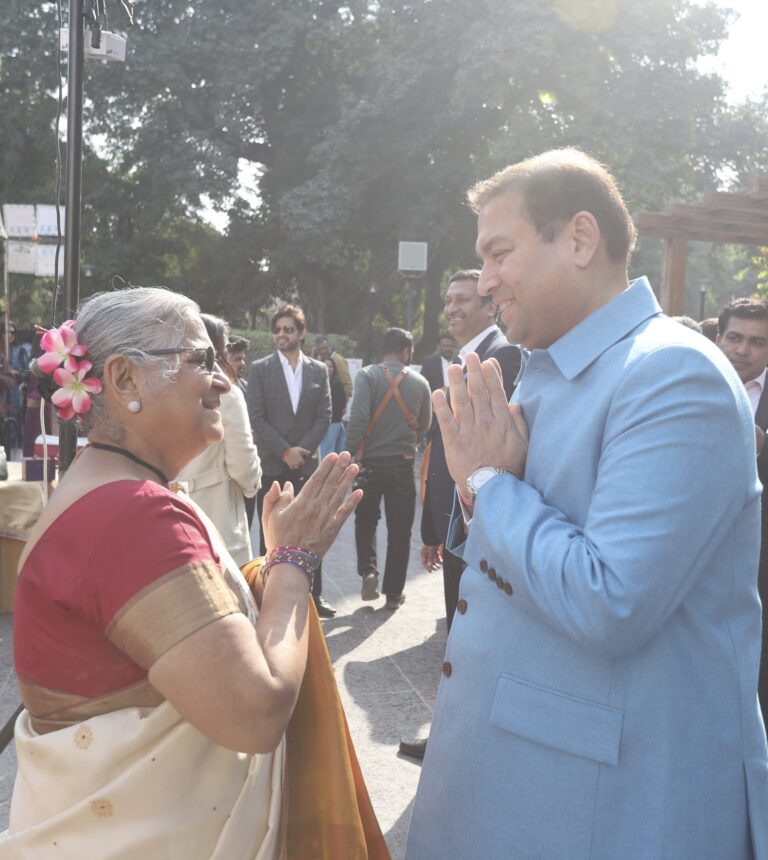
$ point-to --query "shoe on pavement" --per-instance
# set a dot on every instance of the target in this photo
(370, 589)
(415, 748)
(394, 601)
(324, 609)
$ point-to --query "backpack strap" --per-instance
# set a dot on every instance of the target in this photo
(394, 383)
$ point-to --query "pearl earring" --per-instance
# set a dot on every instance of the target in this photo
(134, 406)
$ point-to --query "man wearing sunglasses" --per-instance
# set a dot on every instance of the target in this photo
(289, 403)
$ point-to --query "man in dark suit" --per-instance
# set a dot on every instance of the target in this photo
(435, 366)
(471, 321)
(289, 404)
(743, 337)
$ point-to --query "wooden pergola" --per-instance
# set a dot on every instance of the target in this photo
(722, 217)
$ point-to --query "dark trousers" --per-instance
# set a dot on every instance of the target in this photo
(298, 480)
(453, 567)
(390, 478)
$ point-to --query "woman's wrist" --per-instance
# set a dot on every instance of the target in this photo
(296, 556)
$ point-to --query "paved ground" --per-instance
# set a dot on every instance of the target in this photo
(387, 668)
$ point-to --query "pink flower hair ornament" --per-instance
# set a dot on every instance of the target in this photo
(61, 351)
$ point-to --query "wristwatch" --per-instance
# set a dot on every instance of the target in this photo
(481, 476)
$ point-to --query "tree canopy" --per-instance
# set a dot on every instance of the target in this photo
(365, 123)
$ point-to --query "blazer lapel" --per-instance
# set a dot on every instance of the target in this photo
(306, 378)
(761, 413)
(486, 344)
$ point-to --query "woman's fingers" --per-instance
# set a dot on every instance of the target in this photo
(346, 479)
(272, 495)
(314, 483)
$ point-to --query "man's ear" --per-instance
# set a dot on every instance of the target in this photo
(585, 236)
(122, 378)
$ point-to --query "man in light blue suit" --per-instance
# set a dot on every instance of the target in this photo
(600, 691)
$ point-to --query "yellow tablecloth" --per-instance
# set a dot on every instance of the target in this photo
(21, 503)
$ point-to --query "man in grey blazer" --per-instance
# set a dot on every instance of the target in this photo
(289, 404)
(599, 698)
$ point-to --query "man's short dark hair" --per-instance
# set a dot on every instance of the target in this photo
(554, 186)
(469, 275)
(464, 275)
(709, 327)
(292, 311)
(446, 335)
(238, 344)
(396, 340)
(743, 309)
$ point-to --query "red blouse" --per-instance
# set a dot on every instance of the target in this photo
(124, 573)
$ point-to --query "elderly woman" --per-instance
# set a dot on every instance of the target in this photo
(223, 474)
(157, 684)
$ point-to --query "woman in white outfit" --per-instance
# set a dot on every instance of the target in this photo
(225, 472)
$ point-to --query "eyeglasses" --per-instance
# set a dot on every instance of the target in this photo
(287, 329)
(204, 355)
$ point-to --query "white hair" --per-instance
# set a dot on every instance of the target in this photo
(131, 322)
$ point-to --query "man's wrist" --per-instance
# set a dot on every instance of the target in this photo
(476, 480)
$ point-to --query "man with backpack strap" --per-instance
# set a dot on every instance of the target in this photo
(390, 410)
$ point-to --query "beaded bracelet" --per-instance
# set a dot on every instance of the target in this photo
(297, 556)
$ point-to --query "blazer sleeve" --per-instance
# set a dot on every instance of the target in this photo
(322, 418)
(264, 433)
(241, 458)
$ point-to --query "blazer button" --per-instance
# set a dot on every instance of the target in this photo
(500, 582)
(508, 588)
(483, 565)
(447, 669)
(461, 606)
(492, 574)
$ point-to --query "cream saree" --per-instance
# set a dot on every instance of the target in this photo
(141, 782)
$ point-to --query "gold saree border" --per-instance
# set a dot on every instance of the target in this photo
(170, 609)
(55, 709)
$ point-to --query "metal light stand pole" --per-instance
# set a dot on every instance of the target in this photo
(7, 295)
(75, 63)
(67, 432)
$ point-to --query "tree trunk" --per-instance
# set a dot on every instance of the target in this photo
(312, 296)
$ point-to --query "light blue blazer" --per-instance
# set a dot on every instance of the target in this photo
(600, 698)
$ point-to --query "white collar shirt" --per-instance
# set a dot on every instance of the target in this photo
(755, 390)
(292, 379)
(445, 364)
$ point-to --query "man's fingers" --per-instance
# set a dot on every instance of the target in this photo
(443, 412)
(477, 388)
(495, 386)
(458, 390)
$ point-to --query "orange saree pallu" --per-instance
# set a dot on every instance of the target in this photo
(329, 813)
